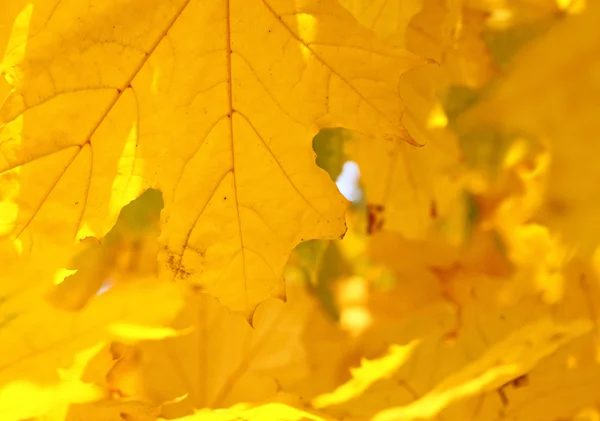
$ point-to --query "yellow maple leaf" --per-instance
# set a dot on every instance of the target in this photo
(221, 360)
(214, 105)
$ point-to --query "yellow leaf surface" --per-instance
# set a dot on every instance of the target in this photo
(111, 406)
(268, 412)
(450, 32)
(42, 336)
(39, 339)
(408, 189)
(415, 190)
(222, 360)
(25, 400)
(502, 350)
(10, 12)
(477, 333)
(455, 377)
(430, 289)
(505, 361)
(126, 97)
(387, 18)
(364, 376)
(128, 251)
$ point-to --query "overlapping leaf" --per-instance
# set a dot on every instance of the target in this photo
(219, 360)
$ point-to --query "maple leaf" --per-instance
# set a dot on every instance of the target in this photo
(221, 360)
(211, 368)
(214, 105)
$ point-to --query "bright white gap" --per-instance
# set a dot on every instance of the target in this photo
(347, 181)
(108, 284)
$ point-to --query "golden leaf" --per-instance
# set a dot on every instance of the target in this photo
(502, 363)
(212, 104)
(221, 360)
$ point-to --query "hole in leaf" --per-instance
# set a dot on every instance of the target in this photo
(107, 285)
(128, 251)
(347, 182)
(329, 145)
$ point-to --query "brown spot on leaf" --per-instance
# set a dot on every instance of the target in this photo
(557, 206)
(503, 397)
(197, 289)
(520, 381)
(375, 218)
(433, 211)
(175, 264)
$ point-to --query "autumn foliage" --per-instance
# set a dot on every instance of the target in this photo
(295, 210)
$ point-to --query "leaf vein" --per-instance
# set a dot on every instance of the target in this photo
(288, 178)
